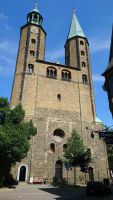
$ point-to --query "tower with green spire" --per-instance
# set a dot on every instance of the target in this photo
(76, 47)
(31, 48)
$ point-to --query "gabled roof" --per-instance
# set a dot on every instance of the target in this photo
(75, 28)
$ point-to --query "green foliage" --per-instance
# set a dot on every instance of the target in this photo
(14, 135)
(16, 115)
(75, 153)
(4, 107)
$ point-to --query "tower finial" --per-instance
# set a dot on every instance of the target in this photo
(36, 6)
(73, 10)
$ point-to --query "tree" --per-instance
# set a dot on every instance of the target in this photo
(76, 155)
(14, 136)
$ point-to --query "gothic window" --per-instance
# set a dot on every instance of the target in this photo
(51, 72)
(81, 42)
(83, 64)
(66, 75)
(32, 53)
(59, 97)
(84, 79)
(52, 147)
(82, 53)
(33, 41)
(30, 68)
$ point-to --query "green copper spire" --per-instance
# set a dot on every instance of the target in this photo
(35, 17)
(75, 29)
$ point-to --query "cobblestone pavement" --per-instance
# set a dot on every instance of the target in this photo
(47, 192)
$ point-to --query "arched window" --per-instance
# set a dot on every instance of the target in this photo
(66, 75)
(59, 97)
(82, 53)
(83, 64)
(81, 42)
(33, 41)
(30, 68)
(52, 147)
(51, 72)
(84, 79)
(35, 17)
(32, 53)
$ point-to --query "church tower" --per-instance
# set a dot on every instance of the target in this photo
(31, 48)
(77, 56)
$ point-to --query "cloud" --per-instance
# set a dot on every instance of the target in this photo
(99, 44)
(97, 78)
(8, 47)
(3, 16)
(53, 55)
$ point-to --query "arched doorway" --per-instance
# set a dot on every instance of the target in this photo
(91, 174)
(22, 173)
(58, 171)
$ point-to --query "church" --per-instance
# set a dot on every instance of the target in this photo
(58, 98)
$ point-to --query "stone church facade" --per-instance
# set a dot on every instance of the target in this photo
(58, 98)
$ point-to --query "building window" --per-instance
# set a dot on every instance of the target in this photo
(35, 17)
(32, 53)
(59, 97)
(58, 135)
(66, 75)
(84, 79)
(82, 53)
(52, 147)
(51, 72)
(81, 42)
(64, 147)
(33, 41)
(83, 64)
(30, 68)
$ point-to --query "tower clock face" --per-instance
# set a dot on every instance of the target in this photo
(34, 30)
(111, 86)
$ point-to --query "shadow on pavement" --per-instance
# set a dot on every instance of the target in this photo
(66, 192)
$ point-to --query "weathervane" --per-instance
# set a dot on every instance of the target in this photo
(36, 6)
(74, 11)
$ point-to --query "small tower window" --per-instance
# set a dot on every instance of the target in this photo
(82, 53)
(51, 72)
(81, 42)
(66, 75)
(33, 41)
(30, 68)
(59, 97)
(35, 17)
(52, 147)
(83, 64)
(84, 79)
(32, 53)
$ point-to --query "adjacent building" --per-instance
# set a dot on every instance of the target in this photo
(108, 74)
(58, 98)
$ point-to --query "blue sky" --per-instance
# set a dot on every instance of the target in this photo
(95, 17)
